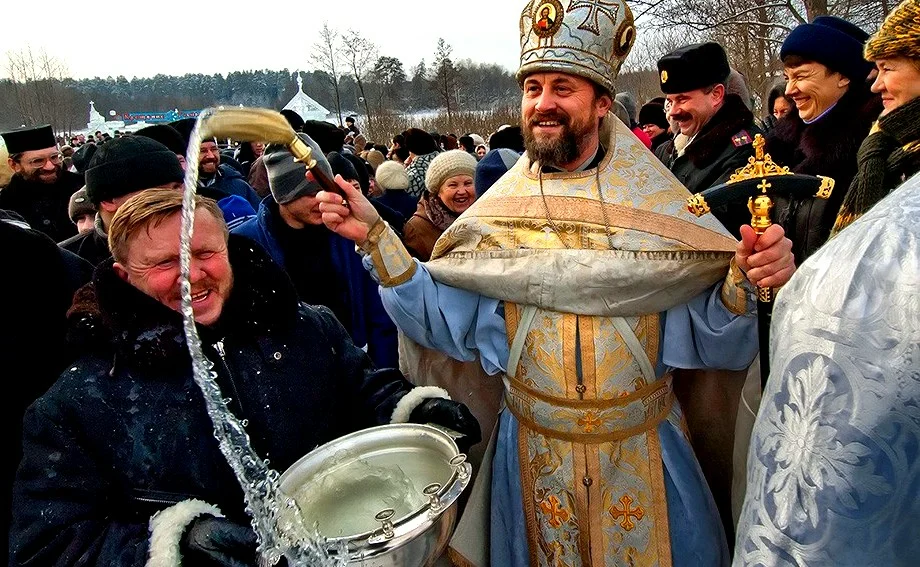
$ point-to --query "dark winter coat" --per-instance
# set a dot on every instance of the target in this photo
(369, 323)
(660, 140)
(228, 181)
(400, 201)
(43, 205)
(722, 145)
(124, 432)
(92, 246)
(38, 286)
(827, 147)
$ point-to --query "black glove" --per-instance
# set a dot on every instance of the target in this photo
(452, 415)
(218, 542)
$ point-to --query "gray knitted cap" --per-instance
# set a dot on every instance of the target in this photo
(287, 178)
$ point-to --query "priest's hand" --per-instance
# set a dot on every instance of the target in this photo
(351, 217)
(767, 260)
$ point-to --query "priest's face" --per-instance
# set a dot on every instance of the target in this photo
(560, 117)
(39, 166)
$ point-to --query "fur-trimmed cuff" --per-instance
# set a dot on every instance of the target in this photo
(167, 527)
(414, 399)
(390, 258)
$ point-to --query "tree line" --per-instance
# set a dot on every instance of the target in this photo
(348, 75)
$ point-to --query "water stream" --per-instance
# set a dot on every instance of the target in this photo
(276, 518)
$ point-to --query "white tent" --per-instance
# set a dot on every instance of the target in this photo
(306, 107)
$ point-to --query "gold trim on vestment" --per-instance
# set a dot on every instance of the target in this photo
(595, 504)
(582, 210)
(656, 472)
(528, 495)
(582, 512)
(588, 358)
(600, 404)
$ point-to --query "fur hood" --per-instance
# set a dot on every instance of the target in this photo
(113, 317)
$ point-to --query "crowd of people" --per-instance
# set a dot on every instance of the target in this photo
(543, 291)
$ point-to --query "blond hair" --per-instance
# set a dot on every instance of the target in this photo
(151, 207)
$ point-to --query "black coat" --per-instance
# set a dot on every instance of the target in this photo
(44, 206)
(827, 147)
(37, 288)
(722, 145)
(124, 432)
(92, 246)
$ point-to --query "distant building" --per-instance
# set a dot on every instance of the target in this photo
(306, 107)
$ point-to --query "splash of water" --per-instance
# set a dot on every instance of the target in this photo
(276, 519)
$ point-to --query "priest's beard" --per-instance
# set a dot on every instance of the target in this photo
(559, 150)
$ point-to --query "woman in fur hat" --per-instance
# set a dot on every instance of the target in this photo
(449, 180)
(891, 152)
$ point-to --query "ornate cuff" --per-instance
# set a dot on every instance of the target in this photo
(391, 260)
(737, 291)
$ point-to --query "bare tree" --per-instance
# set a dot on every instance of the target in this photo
(444, 77)
(359, 56)
(325, 56)
(38, 88)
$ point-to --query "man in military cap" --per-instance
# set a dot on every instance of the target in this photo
(40, 189)
(719, 125)
(547, 280)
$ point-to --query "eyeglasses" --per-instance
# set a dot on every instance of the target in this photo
(56, 159)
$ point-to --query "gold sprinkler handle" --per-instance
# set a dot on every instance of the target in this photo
(760, 208)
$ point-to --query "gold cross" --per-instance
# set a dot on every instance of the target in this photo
(552, 508)
(589, 422)
(764, 185)
(627, 513)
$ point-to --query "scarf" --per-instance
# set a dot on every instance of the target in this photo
(437, 212)
(886, 157)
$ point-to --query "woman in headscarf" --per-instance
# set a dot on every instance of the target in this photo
(449, 181)
(891, 152)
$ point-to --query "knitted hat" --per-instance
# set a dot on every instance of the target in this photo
(361, 170)
(653, 113)
(128, 164)
(287, 178)
(629, 103)
(375, 158)
(83, 156)
(899, 35)
(326, 135)
(447, 165)
(166, 135)
(294, 119)
(392, 175)
(79, 205)
(830, 41)
(419, 141)
(492, 166)
(341, 165)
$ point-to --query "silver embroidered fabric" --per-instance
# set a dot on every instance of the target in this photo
(833, 474)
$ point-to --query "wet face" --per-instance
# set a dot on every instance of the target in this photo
(692, 110)
(781, 107)
(39, 166)
(898, 82)
(814, 88)
(560, 116)
(652, 130)
(152, 265)
(85, 223)
(457, 193)
(302, 212)
(209, 158)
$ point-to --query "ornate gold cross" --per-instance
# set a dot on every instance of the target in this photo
(627, 513)
(595, 7)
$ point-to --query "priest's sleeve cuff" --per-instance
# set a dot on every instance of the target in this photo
(392, 262)
(737, 293)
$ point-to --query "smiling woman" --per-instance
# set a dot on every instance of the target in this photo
(450, 192)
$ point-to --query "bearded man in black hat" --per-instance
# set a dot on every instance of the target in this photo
(719, 125)
(41, 188)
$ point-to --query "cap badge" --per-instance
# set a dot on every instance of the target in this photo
(664, 77)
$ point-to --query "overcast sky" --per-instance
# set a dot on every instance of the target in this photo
(140, 39)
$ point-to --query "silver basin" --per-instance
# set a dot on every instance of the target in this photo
(411, 533)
